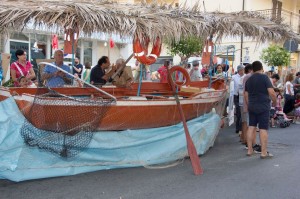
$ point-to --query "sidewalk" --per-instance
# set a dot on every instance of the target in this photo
(228, 173)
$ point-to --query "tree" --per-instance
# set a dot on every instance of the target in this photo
(275, 56)
(187, 46)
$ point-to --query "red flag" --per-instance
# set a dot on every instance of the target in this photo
(54, 42)
(111, 43)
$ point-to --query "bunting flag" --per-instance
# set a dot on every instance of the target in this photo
(70, 39)
(54, 42)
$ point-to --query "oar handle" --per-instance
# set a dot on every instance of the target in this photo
(195, 160)
(122, 68)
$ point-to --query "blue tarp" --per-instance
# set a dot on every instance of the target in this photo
(107, 150)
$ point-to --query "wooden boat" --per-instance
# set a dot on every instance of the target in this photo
(155, 107)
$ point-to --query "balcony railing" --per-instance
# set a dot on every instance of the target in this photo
(285, 16)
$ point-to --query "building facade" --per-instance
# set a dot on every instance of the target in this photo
(240, 49)
(37, 43)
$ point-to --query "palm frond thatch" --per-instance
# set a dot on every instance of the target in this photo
(91, 16)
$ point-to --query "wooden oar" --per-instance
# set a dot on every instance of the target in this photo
(122, 67)
(77, 78)
(195, 160)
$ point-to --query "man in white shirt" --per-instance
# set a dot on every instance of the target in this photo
(236, 79)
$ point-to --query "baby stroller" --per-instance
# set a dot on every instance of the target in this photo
(280, 120)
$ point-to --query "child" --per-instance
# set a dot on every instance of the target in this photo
(278, 106)
(25, 83)
(279, 97)
(297, 110)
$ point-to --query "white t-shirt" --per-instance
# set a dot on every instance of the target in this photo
(241, 91)
(236, 79)
(291, 88)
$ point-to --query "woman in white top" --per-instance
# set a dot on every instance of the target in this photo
(289, 87)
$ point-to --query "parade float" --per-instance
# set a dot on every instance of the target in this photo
(90, 128)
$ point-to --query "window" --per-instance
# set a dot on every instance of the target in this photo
(19, 36)
(276, 10)
(88, 49)
(38, 47)
(16, 45)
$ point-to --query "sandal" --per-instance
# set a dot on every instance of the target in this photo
(268, 156)
(249, 154)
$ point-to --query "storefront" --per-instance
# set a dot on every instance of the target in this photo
(38, 45)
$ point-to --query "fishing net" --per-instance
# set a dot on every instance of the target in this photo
(62, 123)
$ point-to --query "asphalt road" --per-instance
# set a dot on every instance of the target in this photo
(228, 173)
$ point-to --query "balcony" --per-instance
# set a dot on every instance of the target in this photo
(287, 17)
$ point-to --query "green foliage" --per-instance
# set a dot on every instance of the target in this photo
(275, 56)
(187, 46)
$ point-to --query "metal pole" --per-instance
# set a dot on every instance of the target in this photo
(140, 80)
(73, 57)
(242, 36)
(66, 72)
(227, 68)
(210, 70)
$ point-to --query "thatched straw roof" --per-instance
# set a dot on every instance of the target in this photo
(127, 19)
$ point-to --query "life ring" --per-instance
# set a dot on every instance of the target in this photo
(141, 52)
(186, 76)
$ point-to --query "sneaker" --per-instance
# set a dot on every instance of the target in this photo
(257, 148)
(246, 146)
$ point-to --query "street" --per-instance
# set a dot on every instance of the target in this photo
(228, 173)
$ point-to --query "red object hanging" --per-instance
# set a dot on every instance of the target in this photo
(54, 42)
(71, 38)
(111, 43)
(207, 51)
(141, 50)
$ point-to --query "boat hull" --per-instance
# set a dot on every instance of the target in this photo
(130, 112)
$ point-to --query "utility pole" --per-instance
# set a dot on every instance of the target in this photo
(242, 36)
